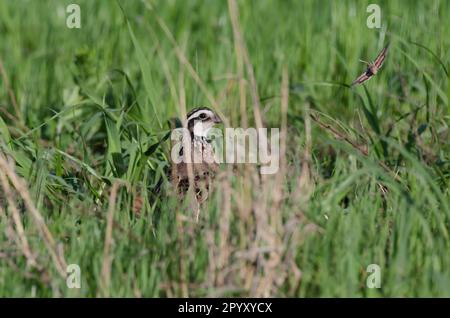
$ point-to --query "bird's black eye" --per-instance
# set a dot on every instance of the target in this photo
(202, 116)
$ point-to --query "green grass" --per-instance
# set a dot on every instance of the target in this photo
(92, 110)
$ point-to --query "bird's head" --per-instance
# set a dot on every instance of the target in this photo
(201, 120)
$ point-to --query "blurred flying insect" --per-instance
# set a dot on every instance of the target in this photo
(372, 67)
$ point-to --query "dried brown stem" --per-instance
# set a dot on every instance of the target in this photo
(107, 257)
(22, 189)
(362, 149)
(23, 241)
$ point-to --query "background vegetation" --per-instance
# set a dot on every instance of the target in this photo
(365, 171)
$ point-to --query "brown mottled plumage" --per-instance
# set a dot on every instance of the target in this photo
(199, 122)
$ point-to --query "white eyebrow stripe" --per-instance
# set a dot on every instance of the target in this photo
(198, 113)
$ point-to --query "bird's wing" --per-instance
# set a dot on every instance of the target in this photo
(381, 57)
(362, 78)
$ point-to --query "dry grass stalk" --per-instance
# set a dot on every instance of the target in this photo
(242, 52)
(305, 186)
(240, 68)
(362, 149)
(278, 192)
(269, 225)
(22, 239)
(190, 194)
(224, 227)
(183, 285)
(22, 189)
(195, 207)
(107, 257)
(340, 136)
(18, 128)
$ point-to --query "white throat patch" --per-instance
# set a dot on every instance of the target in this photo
(201, 128)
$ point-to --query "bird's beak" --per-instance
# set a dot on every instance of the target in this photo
(217, 119)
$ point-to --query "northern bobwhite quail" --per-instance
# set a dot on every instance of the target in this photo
(199, 121)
